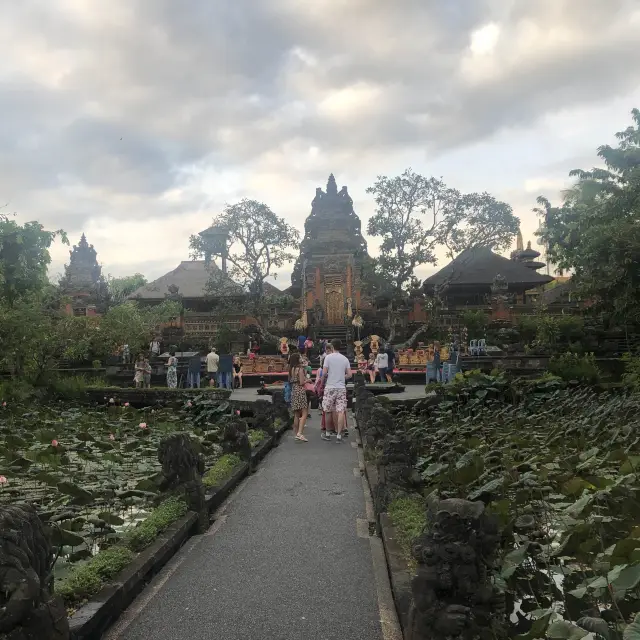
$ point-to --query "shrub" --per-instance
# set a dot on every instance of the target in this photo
(409, 518)
(85, 580)
(571, 366)
(221, 470)
(631, 376)
(159, 519)
(256, 436)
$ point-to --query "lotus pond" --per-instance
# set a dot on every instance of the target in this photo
(92, 472)
(560, 468)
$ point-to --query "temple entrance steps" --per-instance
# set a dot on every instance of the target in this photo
(331, 332)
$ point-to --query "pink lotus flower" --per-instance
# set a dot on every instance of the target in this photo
(3, 480)
(237, 412)
(126, 404)
(111, 436)
(54, 443)
(143, 425)
(189, 404)
(4, 404)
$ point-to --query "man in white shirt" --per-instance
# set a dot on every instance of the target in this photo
(213, 360)
(336, 369)
(382, 364)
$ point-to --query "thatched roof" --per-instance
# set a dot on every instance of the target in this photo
(191, 278)
(479, 266)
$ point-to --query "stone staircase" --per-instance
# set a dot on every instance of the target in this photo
(331, 332)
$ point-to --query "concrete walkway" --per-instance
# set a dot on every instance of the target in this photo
(288, 558)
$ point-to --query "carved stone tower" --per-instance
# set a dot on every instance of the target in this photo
(328, 271)
(83, 281)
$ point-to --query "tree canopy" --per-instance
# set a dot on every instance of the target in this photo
(121, 288)
(595, 231)
(258, 243)
(414, 214)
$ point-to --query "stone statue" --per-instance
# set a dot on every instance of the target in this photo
(349, 308)
(374, 344)
(453, 596)
(280, 409)
(28, 608)
(182, 469)
(235, 438)
(264, 416)
(318, 313)
(397, 474)
(284, 346)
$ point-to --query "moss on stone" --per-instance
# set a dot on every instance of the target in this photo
(408, 517)
(221, 470)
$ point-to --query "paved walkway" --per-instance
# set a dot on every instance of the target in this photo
(288, 558)
(410, 391)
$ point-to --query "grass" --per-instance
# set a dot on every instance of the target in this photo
(256, 436)
(160, 519)
(85, 580)
(408, 517)
(221, 470)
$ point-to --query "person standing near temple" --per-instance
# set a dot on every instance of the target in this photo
(138, 376)
(391, 361)
(154, 347)
(147, 373)
(301, 341)
(193, 371)
(172, 371)
(299, 402)
(213, 362)
(336, 369)
(225, 371)
(382, 363)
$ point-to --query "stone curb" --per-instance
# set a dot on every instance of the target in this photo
(399, 572)
(91, 620)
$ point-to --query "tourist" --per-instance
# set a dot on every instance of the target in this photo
(301, 341)
(172, 370)
(336, 369)
(138, 376)
(225, 371)
(308, 345)
(299, 403)
(193, 371)
(154, 347)
(213, 361)
(382, 362)
(371, 368)
(391, 362)
(147, 374)
(436, 361)
(237, 371)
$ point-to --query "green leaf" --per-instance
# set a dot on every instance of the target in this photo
(595, 625)
(489, 488)
(71, 489)
(513, 560)
(564, 630)
(63, 537)
(111, 518)
(632, 630)
(628, 578)
(432, 470)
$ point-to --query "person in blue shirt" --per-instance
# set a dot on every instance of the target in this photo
(225, 371)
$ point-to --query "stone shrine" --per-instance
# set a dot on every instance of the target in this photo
(327, 275)
(83, 281)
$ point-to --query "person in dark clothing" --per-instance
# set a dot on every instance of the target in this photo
(193, 371)
(391, 356)
(225, 371)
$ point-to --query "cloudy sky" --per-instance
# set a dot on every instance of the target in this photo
(136, 120)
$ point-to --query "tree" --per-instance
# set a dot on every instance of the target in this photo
(479, 220)
(258, 243)
(410, 218)
(595, 232)
(24, 258)
(415, 214)
(121, 288)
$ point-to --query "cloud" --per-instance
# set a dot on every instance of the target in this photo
(139, 115)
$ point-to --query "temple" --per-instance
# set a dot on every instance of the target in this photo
(83, 283)
(327, 277)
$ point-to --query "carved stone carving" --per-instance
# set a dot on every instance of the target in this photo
(235, 438)
(281, 410)
(28, 608)
(452, 590)
(182, 469)
(396, 471)
(264, 416)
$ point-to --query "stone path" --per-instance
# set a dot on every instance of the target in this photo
(410, 391)
(288, 558)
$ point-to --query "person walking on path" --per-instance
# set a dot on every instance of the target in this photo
(382, 362)
(336, 369)
(225, 371)
(213, 361)
(193, 371)
(172, 371)
(299, 403)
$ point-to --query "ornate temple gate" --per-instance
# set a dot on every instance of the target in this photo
(334, 299)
